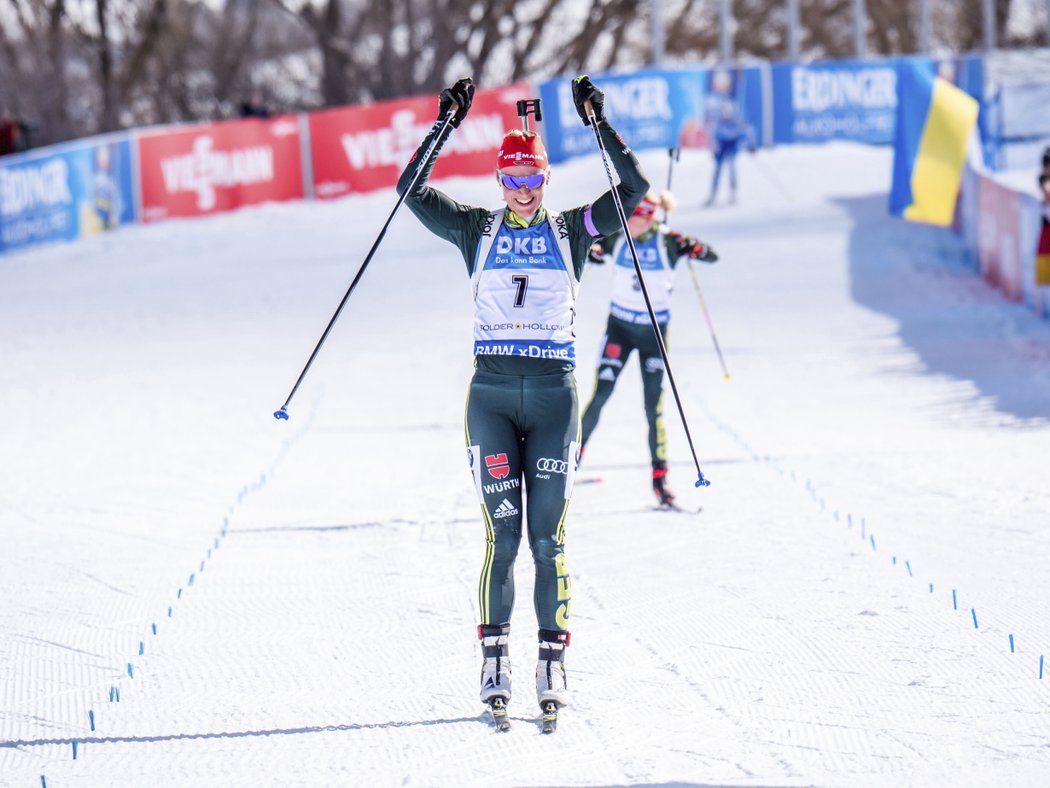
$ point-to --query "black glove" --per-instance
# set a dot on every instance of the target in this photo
(596, 254)
(694, 249)
(461, 93)
(583, 90)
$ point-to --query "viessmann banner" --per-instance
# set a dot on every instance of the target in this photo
(220, 166)
(363, 148)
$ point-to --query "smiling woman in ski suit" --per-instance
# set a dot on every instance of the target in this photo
(522, 419)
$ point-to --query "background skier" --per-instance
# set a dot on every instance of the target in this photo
(729, 134)
(630, 328)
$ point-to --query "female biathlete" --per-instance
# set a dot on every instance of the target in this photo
(522, 422)
(630, 327)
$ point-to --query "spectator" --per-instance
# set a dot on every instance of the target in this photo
(255, 107)
(12, 137)
(1044, 177)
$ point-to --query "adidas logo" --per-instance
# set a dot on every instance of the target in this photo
(505, 509)
(607, 374)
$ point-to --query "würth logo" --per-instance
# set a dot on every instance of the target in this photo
(497, 465)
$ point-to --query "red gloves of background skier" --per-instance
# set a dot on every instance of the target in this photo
(693, 248)
(583, 90)
(596, 254)
(461, 93)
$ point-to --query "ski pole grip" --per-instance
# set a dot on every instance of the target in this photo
(590, 112)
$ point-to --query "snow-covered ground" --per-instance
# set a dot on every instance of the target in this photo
(196, 594)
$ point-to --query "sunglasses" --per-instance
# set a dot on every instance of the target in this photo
(529, 181)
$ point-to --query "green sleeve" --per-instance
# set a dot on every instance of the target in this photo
(590, 223)
(460, 224)
(672, 249)
(632, 186)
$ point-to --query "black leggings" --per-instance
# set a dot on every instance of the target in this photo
(524, 426)
(621, 339)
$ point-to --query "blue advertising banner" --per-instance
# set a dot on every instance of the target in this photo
(66, 193)
(851, 100)
(855, 100)
(650, 109)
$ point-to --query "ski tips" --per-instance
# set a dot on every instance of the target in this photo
(727, 376)
(281, 414)
(701, 481)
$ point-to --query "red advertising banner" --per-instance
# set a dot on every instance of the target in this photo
(362, 148)
(999, 239)
(219, 166)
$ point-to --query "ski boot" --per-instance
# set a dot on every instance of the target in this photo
(664, 496)
(495, 672)
(551, 690)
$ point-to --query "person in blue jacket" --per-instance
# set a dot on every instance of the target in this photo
(728, 136)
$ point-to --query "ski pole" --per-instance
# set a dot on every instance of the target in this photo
(673, 154)
(282, 412)
(700, 480)
(707, 317)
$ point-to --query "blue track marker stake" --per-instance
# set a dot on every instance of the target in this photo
(91, 714)
(131, 671)
(872, 539)
(1011, 644)
(43, 782)
(863, 526)
(179, 594)
(169, 611)
(154, 629)
(74, 750)
(142, 647)
(849, 520)
(191, 578)
(907, 565)
(1040, 666)
(111, 691)
(893, 560)
(955, 601)
(931, 588)
(974, 614)
(202, 566)
(209, 552)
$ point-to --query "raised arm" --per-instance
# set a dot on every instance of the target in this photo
(438, 212)
(633, 185)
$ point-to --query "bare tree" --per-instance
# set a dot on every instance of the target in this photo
(75, 67)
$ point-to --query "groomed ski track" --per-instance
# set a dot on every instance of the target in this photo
(839, 614)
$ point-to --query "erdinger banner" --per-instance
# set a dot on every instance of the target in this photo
(218, 167)
(363, 148)
(649, 109)
(65, 192)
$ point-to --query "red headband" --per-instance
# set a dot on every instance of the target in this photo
(646, 208)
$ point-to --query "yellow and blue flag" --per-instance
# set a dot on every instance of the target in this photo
(934, 122)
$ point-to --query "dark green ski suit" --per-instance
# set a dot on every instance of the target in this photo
(522, 417)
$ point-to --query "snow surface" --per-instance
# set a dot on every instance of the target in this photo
(883, 445)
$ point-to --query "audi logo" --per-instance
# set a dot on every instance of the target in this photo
(548, 465)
